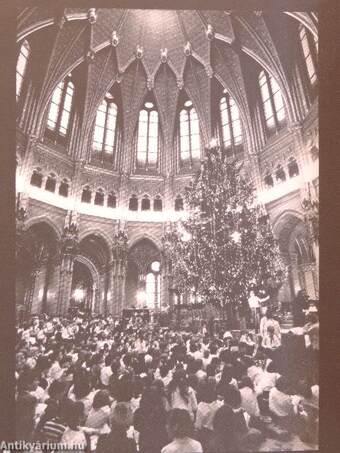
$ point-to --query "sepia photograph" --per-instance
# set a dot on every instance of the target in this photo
(167, 230)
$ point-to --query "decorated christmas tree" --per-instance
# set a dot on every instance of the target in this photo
(225, 246)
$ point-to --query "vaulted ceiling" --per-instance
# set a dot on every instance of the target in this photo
(162, 51)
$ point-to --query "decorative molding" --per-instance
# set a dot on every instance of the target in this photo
(188, 49)
(210, 33)
(139, 52)
(164, 55)
(114, 39)
(92, 16)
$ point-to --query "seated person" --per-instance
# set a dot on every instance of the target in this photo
(271, 341)
(179, 428)
(247, 437)
(281, 403)
(223, 438)
(117, 441)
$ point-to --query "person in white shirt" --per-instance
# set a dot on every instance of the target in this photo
(181, 395)
(179, 427)
(206, 410)
(249, 397)
(280, 403)
(266, 321)
(271, 342)
(255, 305)
(106, 372)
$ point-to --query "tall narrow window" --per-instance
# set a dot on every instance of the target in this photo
(104, 138)
(189, 135)
(152, 289)
(60, 108)
(273, 106)
(179, 204)
(293, 168)
(157, 204)
(133, 203)
(36, 178)
(309, 49)
(51, 183)
(147, 140)
(111, 200)
(21, 68)
(63, 188)
(231, 129)
(86, 195)
(99, 197)
(145, 203)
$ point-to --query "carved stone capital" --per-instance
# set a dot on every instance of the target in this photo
(92, 16)
(114, 39)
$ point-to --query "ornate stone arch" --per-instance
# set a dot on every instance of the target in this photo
(45, 219)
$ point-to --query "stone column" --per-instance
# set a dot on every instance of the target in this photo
(65, 283)
(67, 253)
(30, 293)
(294, 274)
(119, 251)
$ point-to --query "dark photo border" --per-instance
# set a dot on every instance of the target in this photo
(329, 123)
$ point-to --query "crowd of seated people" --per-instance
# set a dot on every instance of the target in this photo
(107, 387)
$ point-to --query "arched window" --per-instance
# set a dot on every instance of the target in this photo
(63, 188)
(268, 180)
(104, 137)
(293, 168)
(51, 183)
(60, 108)
(145, 203)
(179, 204)
(157, 204)
(280, 174)
(152, 289)
(86, 195)
(147, 140)
(273, 106)
(36, 178)
(99, 197)
(309, 48)
(21, 68)
(133, 203)
(304, 251)
(111, 200)
(231, 129)
(189, 135)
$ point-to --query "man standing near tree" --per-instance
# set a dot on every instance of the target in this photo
(255, 305)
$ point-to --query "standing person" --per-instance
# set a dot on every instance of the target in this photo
(300, 304)
(254, 305)
(179, 427)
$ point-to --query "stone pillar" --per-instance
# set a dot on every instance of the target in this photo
(53, 286)
(119, 251)
(286, 292)
(65, 283)
(109, 309)
(30, 292)
(294, 274)
(27, 165)
(67, 253)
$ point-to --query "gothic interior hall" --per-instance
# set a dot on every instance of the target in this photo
(151, 144)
